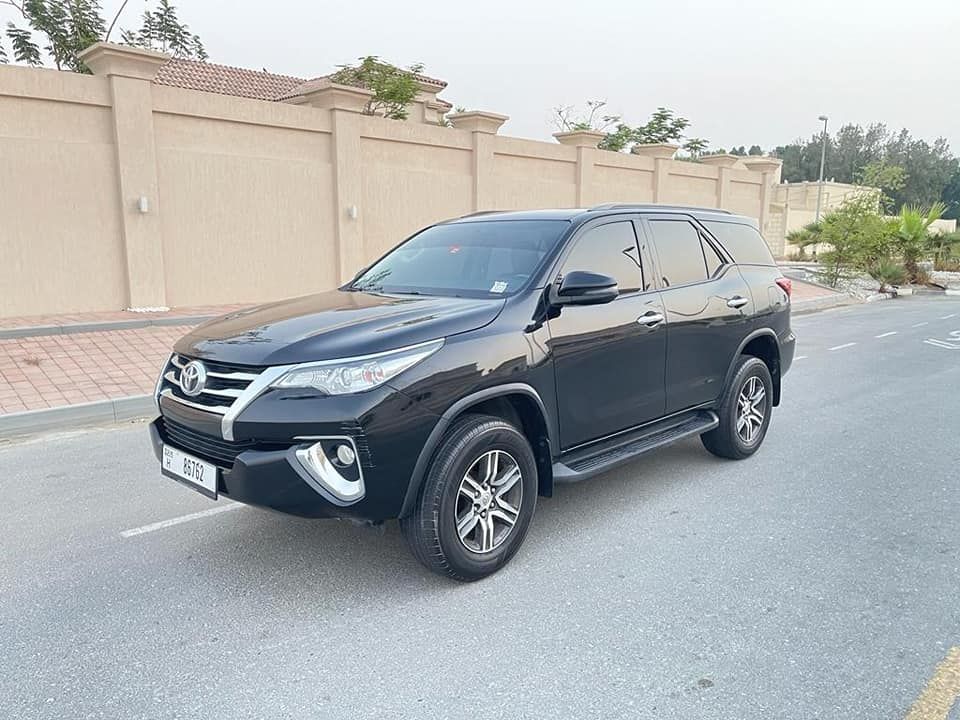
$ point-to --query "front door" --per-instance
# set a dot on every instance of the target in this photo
(708, 307)
(609, 359)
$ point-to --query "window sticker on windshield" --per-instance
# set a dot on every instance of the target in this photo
(499, 286)
(454, 249)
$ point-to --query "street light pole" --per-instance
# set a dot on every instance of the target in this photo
(823, 158)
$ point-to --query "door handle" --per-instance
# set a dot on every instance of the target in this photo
(650, 319)
(737, 302)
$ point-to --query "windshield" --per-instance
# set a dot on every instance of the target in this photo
(490, 258)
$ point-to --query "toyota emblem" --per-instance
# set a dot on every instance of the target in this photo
(193, 378)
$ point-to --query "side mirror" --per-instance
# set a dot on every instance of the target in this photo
(579, 287)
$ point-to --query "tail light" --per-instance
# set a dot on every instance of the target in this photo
(786, 284)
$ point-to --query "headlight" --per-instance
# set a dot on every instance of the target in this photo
(359, 374)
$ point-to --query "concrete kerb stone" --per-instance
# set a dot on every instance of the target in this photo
(103, 326)
(69, 417)
(822, 303)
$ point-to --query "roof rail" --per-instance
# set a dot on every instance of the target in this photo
(479, 212)
(653, 206)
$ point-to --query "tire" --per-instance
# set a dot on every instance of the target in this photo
(431, 529)
(726, 440)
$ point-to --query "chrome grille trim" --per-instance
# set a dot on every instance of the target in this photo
(227, 402)
(217, 409)
(252, 392)
(230, 393)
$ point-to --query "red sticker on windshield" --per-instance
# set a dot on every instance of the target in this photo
(454, 249)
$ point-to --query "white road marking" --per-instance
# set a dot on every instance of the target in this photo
(178, 520)
(919, 324)
(887, 334)
(841, 347)
(947, 317)
(941, 344)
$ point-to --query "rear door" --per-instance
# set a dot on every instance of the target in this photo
(609, 359)
(708, 307)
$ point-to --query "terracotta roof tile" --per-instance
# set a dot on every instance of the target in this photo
(240, 82)
(225, 80)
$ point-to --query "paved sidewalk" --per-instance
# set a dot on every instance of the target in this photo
(804, 291)
(60, 364)
(48, 371)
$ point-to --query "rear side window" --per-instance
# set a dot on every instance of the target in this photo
(609, 249)
(685, 257)
(743, 242)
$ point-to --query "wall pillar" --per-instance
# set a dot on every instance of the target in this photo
(723, 163)
(484, 126)
(769, 169)
(661, 153)
(130, 72)
(345, 104)
(586, 142)
(723, 188)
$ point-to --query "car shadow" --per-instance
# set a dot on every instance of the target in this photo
(280, 551)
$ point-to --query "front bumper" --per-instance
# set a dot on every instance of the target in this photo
(261, 466)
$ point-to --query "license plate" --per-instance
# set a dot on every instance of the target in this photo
(194, 472)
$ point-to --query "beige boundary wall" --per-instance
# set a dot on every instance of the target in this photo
(116, 192)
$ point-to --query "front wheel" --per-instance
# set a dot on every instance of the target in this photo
(744, 411)
(476, 502)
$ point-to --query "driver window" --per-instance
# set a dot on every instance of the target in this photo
(609, 249)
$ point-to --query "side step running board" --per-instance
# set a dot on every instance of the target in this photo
(583, 464)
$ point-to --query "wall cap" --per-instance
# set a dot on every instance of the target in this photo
(720, 160)
(107, 59)
(478, 121)
(580, 138)
(325, 94)
(655, 150)
(762, 164)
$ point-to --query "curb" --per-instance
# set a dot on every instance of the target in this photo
(822, 303)
(38, 330)
(68, 417)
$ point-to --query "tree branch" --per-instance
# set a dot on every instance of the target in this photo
(14, 4)
(114, 21)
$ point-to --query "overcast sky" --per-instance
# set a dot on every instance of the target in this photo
(744, 71)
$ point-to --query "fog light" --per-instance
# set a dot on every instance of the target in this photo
(333, 469)
(345, 455)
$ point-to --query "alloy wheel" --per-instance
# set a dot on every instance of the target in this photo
(488, 501)
(751, 409)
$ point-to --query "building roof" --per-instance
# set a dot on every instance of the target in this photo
(241, 82)
(225, 80)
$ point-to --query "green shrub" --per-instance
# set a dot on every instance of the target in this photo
(888, 272)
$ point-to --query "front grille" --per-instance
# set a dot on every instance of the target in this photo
(206, 447)
(224, 384)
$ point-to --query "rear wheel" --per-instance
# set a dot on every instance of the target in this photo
(744, 411)
(476, 502)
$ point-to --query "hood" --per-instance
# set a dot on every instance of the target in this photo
(335, 324)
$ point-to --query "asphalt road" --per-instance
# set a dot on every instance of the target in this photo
(819, 579)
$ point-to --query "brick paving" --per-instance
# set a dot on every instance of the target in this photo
(66, 369)
(808, 291)
(55, 370)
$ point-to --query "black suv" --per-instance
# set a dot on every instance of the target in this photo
(480, 362)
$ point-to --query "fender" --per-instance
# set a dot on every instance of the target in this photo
(455, 411)
(746, 341)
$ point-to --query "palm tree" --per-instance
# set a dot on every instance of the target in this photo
(945, 248)
(913, 236)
